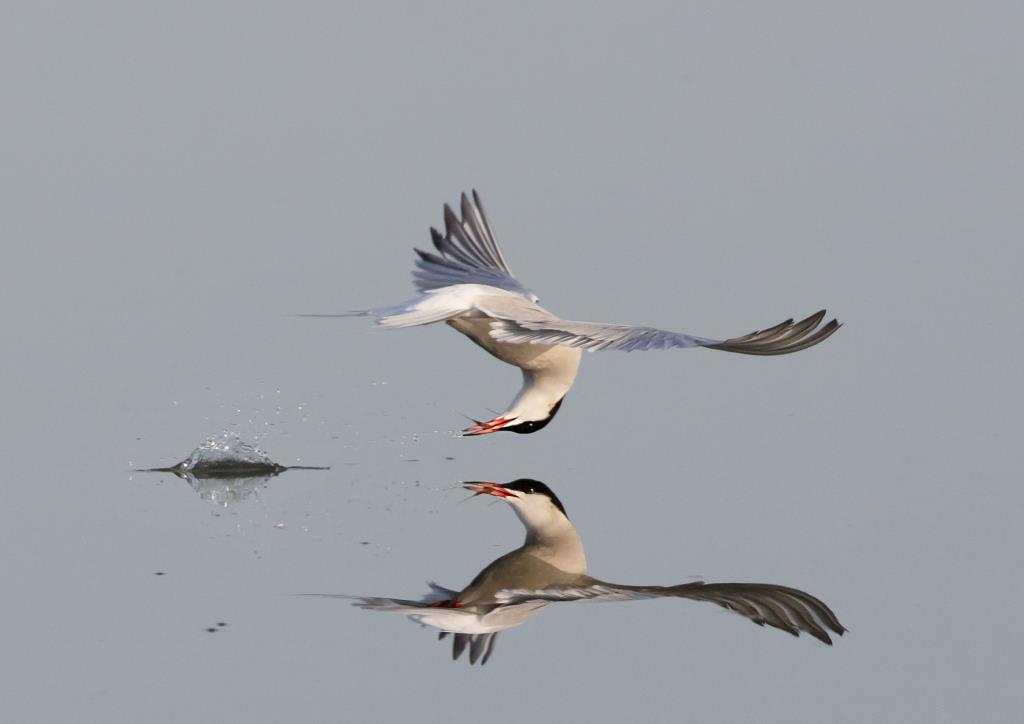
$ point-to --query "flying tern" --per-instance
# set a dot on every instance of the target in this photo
(551, 566)
(467, 283)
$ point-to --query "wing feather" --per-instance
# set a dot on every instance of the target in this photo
(459, 645)
(467, 253)
(781, 607)
(783, 338)
(481, 646)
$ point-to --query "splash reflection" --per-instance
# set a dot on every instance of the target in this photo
(226, 490)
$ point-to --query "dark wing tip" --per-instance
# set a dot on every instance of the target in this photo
(459, 645)
(450, 219)
(784, 338)
(824, 638)
(787, 609)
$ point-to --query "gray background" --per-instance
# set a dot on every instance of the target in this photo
(176, 180)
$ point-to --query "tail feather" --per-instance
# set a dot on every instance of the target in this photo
(411, 314)
(426, 309)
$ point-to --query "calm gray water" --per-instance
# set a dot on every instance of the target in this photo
(176, 182)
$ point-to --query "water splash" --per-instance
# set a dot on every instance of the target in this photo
(228, 454)
(224, 468)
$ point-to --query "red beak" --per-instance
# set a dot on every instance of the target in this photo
(481, 488)
(486, 428)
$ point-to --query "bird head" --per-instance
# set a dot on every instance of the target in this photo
(533, 501)
(523, 423)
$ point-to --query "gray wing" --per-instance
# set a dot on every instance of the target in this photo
(784, 608)
(468, 253)
(783, 338)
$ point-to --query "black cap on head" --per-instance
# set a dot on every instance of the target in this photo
(527, 485)
(525, 428)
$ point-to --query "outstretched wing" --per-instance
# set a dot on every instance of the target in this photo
(784, 608)
(468, 253)
(783, 338)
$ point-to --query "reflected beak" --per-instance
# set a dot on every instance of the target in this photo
(481, 488)
(485, 428)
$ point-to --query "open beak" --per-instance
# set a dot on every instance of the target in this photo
(481, 488)
(485, 428)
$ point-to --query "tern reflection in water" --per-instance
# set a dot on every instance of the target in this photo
(551, 566)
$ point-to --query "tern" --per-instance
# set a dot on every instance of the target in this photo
(551, 566)
(468, 284)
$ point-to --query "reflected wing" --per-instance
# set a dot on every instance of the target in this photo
(479, 645)
(499, 618)
(471, 627)
(783, 338)
(465, 625)
(468, 253)
(784, 608)
(460, 622)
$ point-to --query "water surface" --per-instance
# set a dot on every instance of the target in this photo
(178, 184)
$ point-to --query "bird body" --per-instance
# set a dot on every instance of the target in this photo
(551, 566)
(468, 284)
(548, 372)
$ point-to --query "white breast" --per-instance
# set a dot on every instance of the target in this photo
(526, 356)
